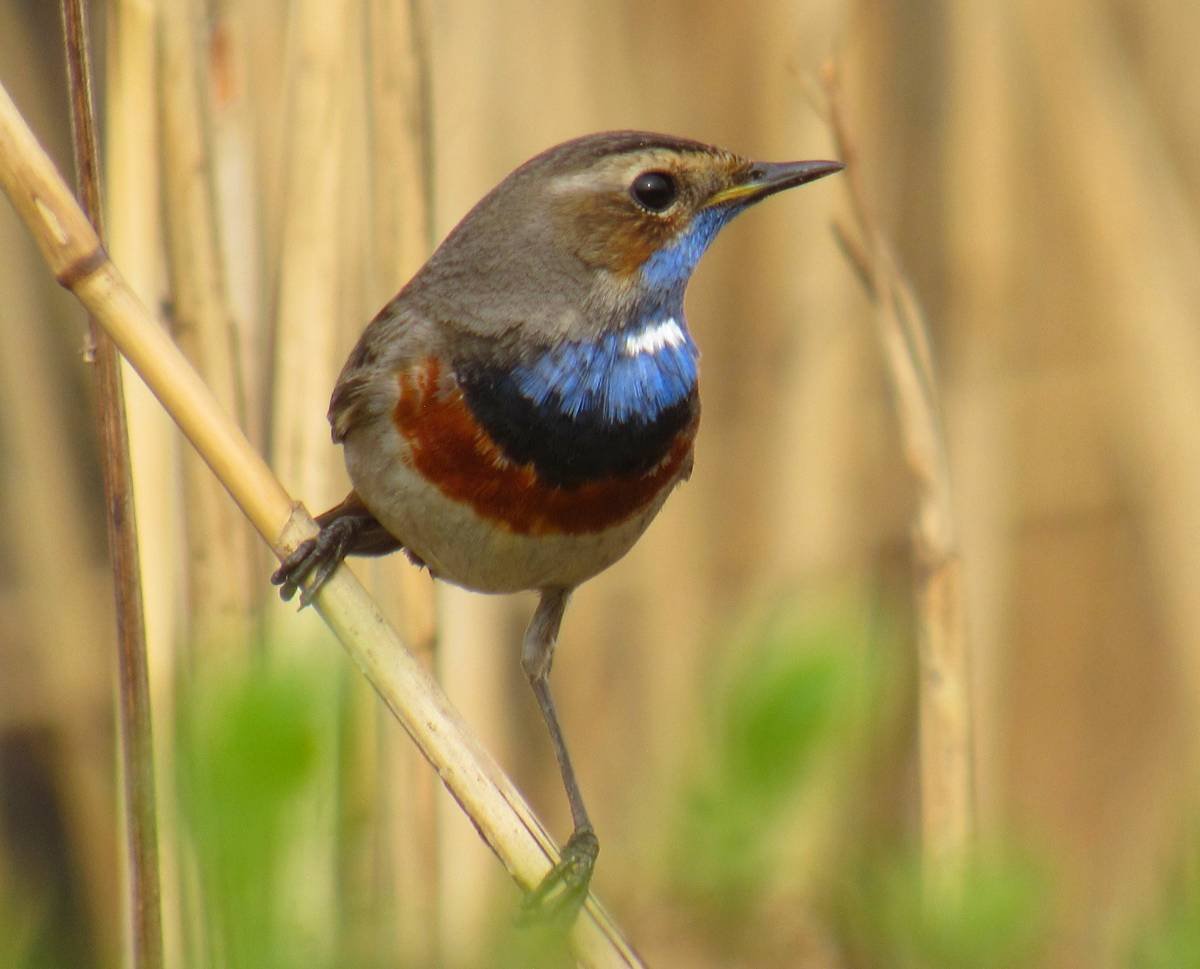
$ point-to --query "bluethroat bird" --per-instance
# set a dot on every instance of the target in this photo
(515, 417)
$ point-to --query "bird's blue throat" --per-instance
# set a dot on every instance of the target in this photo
(625, 376)
(590, 410)
(668, 270)
(635, 373)
(584, 410)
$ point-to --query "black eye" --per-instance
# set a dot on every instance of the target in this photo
(654, 190)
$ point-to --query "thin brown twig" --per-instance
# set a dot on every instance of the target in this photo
(947, 786)
(855, 255)
(72, 251)
(137, 746)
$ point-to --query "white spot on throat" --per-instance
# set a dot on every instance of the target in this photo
(655, 337)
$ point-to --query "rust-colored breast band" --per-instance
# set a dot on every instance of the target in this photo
(453, 452)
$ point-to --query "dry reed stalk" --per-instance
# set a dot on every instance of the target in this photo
(219, 546)
(473, 655)
(133, 691)
(267, 24)
(399, 175)
(306, 321)
(817, 528)
(981, 239)
(226, 74)
(477, 637)
(50, 569)
(307, 350)
(73, 253)
(315, 275)
(943, 671)
(66, 680)
(1143, 236)
(134, 226)
(362, 903)
(59, 596)
(408, 841)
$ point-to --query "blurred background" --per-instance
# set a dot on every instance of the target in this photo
(739, 692)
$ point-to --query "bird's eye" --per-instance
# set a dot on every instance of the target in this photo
(654, 191)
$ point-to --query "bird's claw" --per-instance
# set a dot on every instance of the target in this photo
(314, 560)
(559, 896)
(294, 569)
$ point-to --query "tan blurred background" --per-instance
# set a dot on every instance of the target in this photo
(1038, 168)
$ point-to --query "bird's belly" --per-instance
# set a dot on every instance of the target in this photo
(461, 546)
(437, 484)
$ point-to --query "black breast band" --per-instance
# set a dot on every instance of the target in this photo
(569, 451)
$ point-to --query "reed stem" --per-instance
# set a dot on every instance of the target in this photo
(133, 693)
(943, 674)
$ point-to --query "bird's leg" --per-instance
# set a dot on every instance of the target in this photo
(346, 529)
(562, 891)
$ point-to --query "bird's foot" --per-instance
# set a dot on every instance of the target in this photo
(559, 896)
(315, 560)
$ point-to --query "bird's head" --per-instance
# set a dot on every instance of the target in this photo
(645, 207)
(604, 222)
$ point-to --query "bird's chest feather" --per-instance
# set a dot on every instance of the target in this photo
(578, 439)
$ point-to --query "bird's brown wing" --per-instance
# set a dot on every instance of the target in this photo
(366, 388)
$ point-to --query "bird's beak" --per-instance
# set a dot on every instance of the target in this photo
(767, 178)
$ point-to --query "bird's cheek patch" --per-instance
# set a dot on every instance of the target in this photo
(609, 232)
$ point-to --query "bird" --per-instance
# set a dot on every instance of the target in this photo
(515, 417)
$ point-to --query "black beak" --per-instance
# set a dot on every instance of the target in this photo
(767, 178)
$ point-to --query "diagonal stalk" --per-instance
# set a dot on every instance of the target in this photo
(74, 254)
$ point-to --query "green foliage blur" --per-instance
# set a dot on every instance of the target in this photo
(798, 694)
(996, 919)
(250, 754)
(793, 729)
(773, 817)
(1170, 939)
